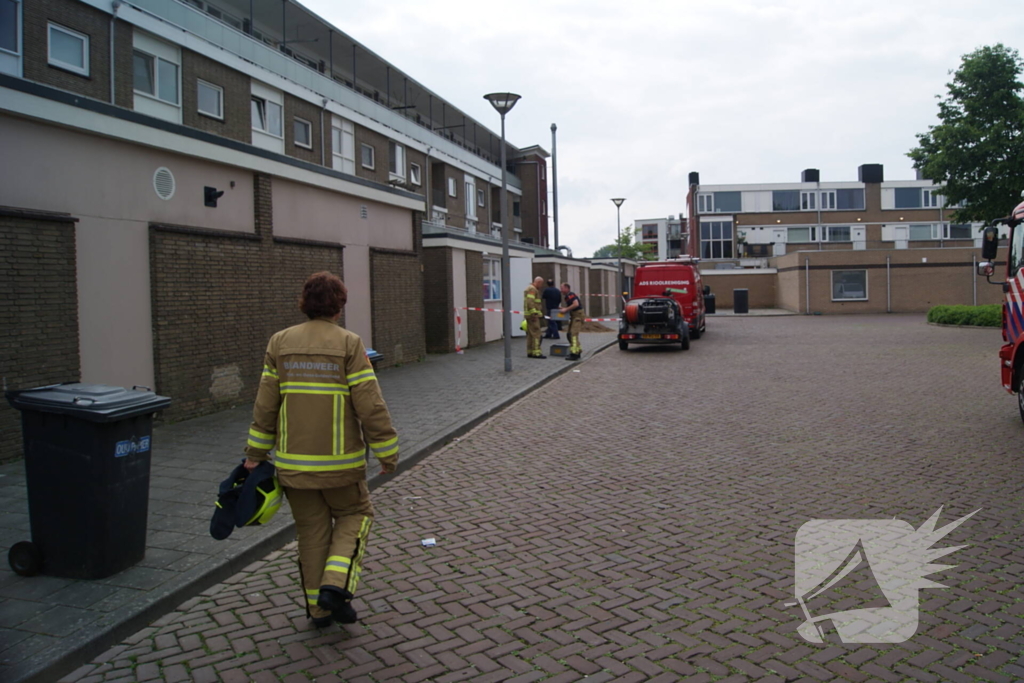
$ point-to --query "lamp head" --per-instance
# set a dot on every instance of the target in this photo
(502, 101)
(618, 201)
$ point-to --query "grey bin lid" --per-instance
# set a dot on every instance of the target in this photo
(92, 402)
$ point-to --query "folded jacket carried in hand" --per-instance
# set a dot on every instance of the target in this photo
(246, 499)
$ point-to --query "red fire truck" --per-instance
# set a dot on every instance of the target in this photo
(1011, 354)
(667, 306)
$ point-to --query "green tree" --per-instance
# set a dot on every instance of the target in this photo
(977, 151)
(626, 246)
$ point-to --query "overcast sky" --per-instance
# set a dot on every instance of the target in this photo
(645, 91)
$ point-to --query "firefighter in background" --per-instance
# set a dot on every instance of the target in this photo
(575, 310)
(534, 313)
(320, 406)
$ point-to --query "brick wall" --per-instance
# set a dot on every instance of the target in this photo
(237, 121)
(217, 298)
(77, 16)
(439, 300)
(124, 90)
(396, 282)
(38, 311)
(294, 107)
(474, 326)
(365, 136)
(760, 287)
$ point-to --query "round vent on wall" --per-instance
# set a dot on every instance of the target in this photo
(163, 183)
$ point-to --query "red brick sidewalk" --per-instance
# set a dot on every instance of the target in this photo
(635, 521)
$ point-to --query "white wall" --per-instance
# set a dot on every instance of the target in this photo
(459, 292)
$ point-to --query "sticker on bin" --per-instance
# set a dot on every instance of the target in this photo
(131, 446)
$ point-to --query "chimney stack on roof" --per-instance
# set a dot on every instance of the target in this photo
(870, 173)
(810, 175)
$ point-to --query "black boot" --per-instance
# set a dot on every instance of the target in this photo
(339, 602)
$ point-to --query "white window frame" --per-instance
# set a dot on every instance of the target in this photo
(826, 233)
(264, 105)
(808, 200)
(480, 197)
(200, 83)
(155, 62)
(362, 156)
(931, 232)
(931, 199)
(832, 287)
(342, 131)
(396, 161)
(453, 188)
(947, 228)
(492, 273)
(309, 127)
(53, 61)
(810, 234)
(13, 57)
(415, 174)
(827, 200)
(705, 202)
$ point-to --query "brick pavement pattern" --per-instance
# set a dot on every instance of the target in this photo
(635, 521)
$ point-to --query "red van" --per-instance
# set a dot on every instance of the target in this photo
(667, 304)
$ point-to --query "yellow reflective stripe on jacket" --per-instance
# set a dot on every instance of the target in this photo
(313, 596)
(385, 448)
(338, 426)
(261, 440)
(269, 371)
(319, 463)
(360, 377)
(327, 388)
(337, 563)
(282, 425)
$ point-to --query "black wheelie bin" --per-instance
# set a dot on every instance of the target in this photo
(87, 455)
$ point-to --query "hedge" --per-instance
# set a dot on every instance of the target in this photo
(990, 315)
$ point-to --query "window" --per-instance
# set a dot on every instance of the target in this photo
(343, 145)
(266, 116)
(908, 198)
(728, 202)
(9, 11)
(807, 201)
(850, 200)
(837, 233)
(452, 188)
(303, 132)
(931, 199)
(492, 279)
(396, 159)
(69, 50)
(960, 231)
(786, 200)
(799, 235)
(515, 208)
(828, 200)
(155, 77)
(480, 198)
(716, 239)
(649, 231)
(414, 174)
(543, 172)
(470, 198)
(849, 285)
(921, 232)
(366, 153)
(705, 203)
(1016, 251)
(210, 99)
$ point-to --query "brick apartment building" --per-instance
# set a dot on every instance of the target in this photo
(869, 245)
(173, 170)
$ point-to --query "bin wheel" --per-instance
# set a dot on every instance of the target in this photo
(25, 558)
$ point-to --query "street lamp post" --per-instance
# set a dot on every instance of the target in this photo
(503, 103)
(618, 232)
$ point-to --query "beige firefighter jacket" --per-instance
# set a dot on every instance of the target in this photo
(320, 406)
(531, 302)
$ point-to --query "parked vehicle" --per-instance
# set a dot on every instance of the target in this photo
(667, 305)
(1011, 354)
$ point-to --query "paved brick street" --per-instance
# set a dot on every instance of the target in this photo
(636, 520)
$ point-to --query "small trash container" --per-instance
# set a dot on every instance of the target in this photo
(87, 452)
(740, 301)
(709, 304)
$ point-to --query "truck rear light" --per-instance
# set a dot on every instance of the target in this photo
(671, 336)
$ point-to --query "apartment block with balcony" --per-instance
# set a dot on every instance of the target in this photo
(198, 160)
(772, 219)
(667, 236)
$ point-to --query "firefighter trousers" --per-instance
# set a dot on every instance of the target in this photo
(533, 335)
(575, 325)
(333, 526)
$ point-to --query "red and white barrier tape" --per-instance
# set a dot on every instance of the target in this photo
(501, 310)
(458, 326)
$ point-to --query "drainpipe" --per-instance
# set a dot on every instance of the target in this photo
(974, 276)
(888, 287)
(113, 22)
(323, 147)
(807, 283)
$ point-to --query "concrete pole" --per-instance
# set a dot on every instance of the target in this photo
(506, 294)
(554, 183)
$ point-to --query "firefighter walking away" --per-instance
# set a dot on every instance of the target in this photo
(320, 406)
(575, 310)
(534, 313)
